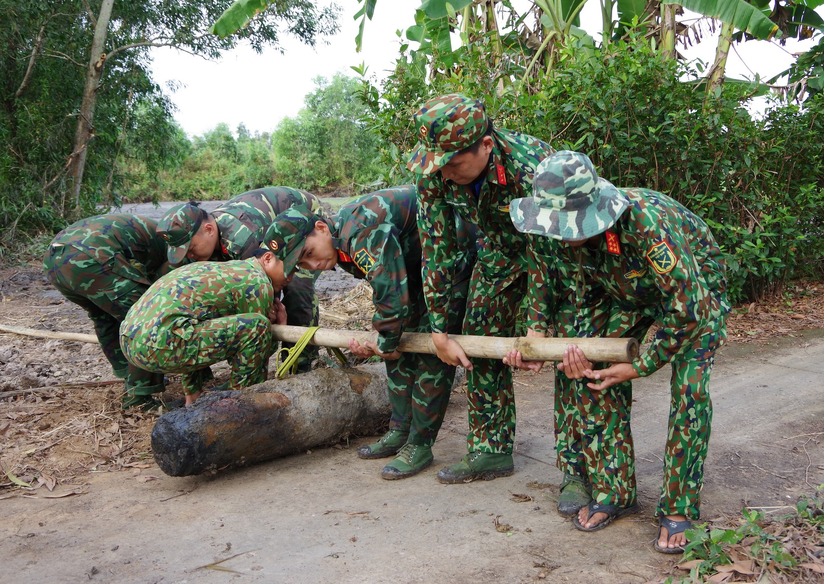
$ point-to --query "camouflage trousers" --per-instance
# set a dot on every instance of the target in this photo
(420, 384)
(243, 340)
(301, 304)
(592, 428)
(492, 307)
(106, 297)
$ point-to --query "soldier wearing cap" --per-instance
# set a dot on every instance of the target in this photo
(471, 170)
(376, 238)
(207, 312)
(234, 231)
(618, 261)
(104, 264)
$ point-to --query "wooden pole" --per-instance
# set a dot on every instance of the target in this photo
(622, 350)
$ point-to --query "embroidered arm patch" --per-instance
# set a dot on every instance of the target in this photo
(364, 260)
(661, 257)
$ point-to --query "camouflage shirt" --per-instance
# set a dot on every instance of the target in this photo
(659, 260)
(377, 239)
(197, 292)
(127, 245)
(242, 220)
(509, 176)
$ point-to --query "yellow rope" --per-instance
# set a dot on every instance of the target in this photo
(289, 364)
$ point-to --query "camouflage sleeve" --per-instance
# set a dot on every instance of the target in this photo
(539, 285)
(686, 309)
(437, 229)
(377, 252)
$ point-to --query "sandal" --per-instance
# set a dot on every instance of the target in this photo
(612, 512)
(672, 527)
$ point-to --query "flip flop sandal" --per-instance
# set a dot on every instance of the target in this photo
(672, 528)
(612, 512)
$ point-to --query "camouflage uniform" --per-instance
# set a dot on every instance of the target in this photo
(376, 238)
(242, 221)
(104, 264)
(652, 261)
(497, 284)
(200, 314)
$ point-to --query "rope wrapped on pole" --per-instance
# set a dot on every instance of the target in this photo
(620, 350)
(597, 349)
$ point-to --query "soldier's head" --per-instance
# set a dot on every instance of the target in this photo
(190, 232)
(570, 202)
(273, 268)
(296, 232)
(455, 138)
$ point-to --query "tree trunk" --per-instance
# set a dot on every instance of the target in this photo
(270, 420)
(717, 71)
(667, 37)
(85, 120)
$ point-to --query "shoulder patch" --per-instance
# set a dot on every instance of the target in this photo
(363, 260)
(661, 257)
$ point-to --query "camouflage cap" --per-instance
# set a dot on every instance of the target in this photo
(287, 235)
(446, 125)
(570, 202)
(178, 227)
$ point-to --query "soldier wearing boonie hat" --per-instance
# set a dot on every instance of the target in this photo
(619, 261)
(375, 237)
(233, 231)
(472, 170)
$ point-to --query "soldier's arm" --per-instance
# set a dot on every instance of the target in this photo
(686, 305)
(437, 230)
(378, 253)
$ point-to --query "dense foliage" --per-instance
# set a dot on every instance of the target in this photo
(44, 95)
(758, 183)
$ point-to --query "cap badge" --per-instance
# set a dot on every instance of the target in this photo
(273, 245)
(422, 131)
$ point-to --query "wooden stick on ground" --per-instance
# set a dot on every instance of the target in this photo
(550, 349)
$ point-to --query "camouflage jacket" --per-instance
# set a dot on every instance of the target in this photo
(509, 176)
(659, 260)
(177, 302)
(242, 220)
(128, 245)
(377, 239)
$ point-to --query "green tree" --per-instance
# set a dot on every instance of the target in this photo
(71, 69)
(326, 146)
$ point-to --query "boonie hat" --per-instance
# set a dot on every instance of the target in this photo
(287, 235)
(178, 227)
(570, 202)
(446, 125)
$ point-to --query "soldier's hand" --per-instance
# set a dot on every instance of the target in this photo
(574, 364)
(277, 312)
(616, 373)
(514, 358)
(450, 352)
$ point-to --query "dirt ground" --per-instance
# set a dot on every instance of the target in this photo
(83, 500)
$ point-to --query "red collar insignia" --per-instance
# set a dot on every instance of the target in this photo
(344, 257)
(500, 176)
(613, 243)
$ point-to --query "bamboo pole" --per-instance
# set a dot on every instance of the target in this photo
(622, 350)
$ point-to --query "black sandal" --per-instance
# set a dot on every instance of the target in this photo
(672, 527)
(612, 512)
